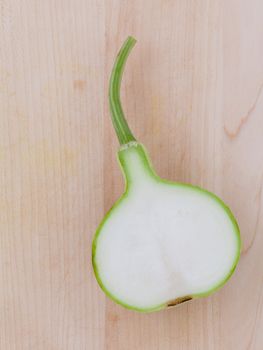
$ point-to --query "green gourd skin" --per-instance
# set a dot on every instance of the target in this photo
(130, 148)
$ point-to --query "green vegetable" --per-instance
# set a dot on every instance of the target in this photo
(162, 243)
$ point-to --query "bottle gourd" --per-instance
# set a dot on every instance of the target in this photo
(162, 243)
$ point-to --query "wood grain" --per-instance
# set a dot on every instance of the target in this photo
(193, 94)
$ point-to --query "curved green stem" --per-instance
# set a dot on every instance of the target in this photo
(118, 119)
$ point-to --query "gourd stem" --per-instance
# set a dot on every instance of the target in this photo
(118, 119)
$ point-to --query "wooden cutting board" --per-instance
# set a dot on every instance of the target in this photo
(192, 93)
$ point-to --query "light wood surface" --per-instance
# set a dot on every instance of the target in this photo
(193, 94)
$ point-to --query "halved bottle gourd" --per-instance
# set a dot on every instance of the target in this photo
(162, 242)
